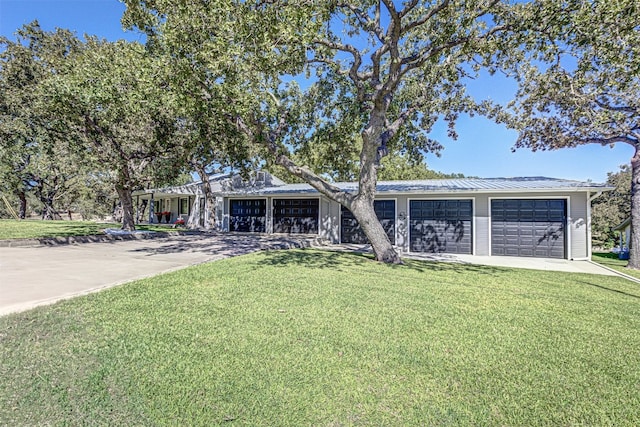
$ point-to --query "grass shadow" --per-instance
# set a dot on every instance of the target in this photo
(617, 291)
(315, 258)
(451, 266)
(306, 255)
(612, 260)
(343, 260)
(223, 245)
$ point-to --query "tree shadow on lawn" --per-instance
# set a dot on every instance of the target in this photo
(223, 246)
(617, 291)
(343, 260)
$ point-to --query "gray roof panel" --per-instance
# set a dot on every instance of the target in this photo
(497, 185)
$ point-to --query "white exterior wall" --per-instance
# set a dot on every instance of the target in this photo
(579, 224)
(402, 223)
(329, 224)
(224, 224)
(577, 236)
(482, 224)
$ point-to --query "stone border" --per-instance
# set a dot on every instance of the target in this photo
(94, 238)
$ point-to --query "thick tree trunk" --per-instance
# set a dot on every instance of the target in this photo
(22, 211)
(364, 212)
(209, 201)
(373, 149)
(48, 211)
(141, 210)
(126, 200)
(634, 244)
(46, 194)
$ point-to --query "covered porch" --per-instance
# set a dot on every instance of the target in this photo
(171, 206)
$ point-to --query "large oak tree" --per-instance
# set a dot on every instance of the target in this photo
(586, 89)
(332, 75)
(36, 159)
(117, 107)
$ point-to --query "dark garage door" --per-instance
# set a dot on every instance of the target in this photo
(350, 231)
(296, 216)
(441, 226)
(528, 228)
(248, 215)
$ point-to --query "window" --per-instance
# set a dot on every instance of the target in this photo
(184, 206)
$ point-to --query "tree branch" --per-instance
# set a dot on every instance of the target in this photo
(609, 107)
(394, 127)
(609, 140)
(395, 66)
(416, 61)
(355, 66)
(283, 160)
(425, 18)
(371, 25)
(408, 8)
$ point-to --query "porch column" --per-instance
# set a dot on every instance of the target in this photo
(151, 212)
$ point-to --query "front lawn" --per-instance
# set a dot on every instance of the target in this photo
(37, 229)
(611, 260)
(306, 337)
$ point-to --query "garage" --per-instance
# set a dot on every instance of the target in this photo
(529, 227)
(351, 232)
(441, 226)
(296, 216)
(248, 215)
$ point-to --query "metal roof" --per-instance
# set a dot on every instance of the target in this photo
(486, 185)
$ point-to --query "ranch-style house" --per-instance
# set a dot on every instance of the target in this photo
(523, 217)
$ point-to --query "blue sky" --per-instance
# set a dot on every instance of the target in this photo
(483, 149)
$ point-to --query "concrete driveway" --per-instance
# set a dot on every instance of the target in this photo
(36, 275)
(33, 276)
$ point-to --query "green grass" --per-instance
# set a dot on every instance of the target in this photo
(611, 260)
(305, 337)
(36, 229)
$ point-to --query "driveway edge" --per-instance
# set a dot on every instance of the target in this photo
(93, 238)
(617, 273)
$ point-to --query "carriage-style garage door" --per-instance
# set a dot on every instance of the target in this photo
(441, 226)
(296, 216)
(248, 215)
(529, 227)
(350, 231)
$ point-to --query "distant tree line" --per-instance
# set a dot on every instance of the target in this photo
(611, 209)
(82, 122)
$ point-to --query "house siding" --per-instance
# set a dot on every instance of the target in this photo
(482, 226)
(480, 191)
(329, 227)
(577, 236)
(578, 226)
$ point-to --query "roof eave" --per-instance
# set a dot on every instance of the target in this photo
(267, 192)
